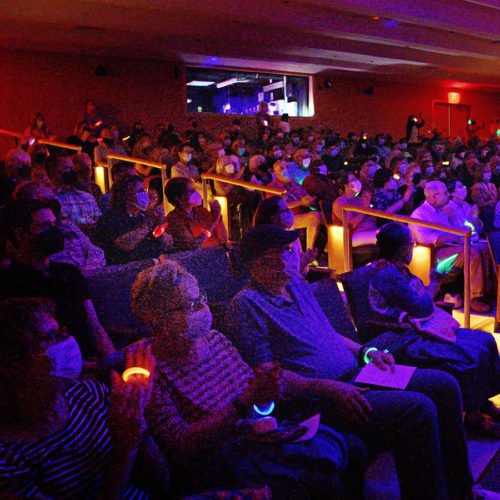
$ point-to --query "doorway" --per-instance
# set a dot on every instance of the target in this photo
(450, 119)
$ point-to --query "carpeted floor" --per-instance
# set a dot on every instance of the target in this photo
(490, 478)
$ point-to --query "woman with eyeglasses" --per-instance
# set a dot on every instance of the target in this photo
(203, 389)
(61, 437)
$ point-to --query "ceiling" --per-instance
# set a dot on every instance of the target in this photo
(455, 43)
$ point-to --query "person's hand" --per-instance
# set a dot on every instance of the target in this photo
(382, 360)
(307, 257)
(215, 210)
(128, 400)
(156, 215)
(366, 199)
(349, 401)
(308, 200)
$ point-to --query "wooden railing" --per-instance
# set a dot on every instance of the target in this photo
(15, 135)
(61, 145)
(466, 233)
(130, 159)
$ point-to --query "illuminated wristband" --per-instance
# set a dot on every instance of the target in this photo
(206, 232)
(264, 412)
(366, 359)
(135, 370)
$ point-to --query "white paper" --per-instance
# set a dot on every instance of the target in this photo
(312, 425)
(372, 375)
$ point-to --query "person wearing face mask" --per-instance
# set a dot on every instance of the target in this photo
(386, 196)
(298, 201)
(299, 168)
(83, 169)
(484, 193)
(397, 296)
(196, 424)
(190, 225)
(128, 230)
(37, 130)
(415, 182)
(413, 126)
(333, 158)
(275, 211)
(107, 146)
(460, 211)
(33, 236)
(364, 227)
(17, 169)
(257, 171)
(185, 167)
(367, 172)
(321, 187)
(59, 434)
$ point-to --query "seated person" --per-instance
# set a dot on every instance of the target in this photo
(32, 237)
(184, 167)
(61, 437)
(257, 171)
(396, 296)
(17, 166)
(298, 201)
(118, 170)
(107, 146)
(363, 227)
(77, 206)
(460, 211)
(484, 192)
(78, 249)
(415, 183)
(320, 186)
(190, 225)
(366, 174)
(125, 231)
(202, 389)
(83, 169)
(446, 244)
(277, 319)
(299, 168)
(385, 196)
(274, 210)
(242, 201)
(37, 130)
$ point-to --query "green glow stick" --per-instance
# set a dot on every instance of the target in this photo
(470, 225)
(445, 265)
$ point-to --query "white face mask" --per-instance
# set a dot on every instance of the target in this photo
(487, 176)
(323, 170)
(278, 154)
(334, 152)
(306, 162)
(292, 263)
(221, 152)
(229, 169)
(295, 140)
(241, 151)
(429, 170)
(371, 171)
(66, 359)
(402, 168)
(195, 199)
(186, 157)
(356, 186)
(319, 148)
(285, 174)
(142, 200)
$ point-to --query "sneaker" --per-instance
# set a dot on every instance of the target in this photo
(456, 300)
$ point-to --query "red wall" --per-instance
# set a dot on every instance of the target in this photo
(347, 106)
(58, 86)
(154, 91)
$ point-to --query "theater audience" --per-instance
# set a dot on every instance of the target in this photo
(298, 201)
(32, 237)
(446, 244)
(125, 231)
(107, 146)
(61, 437)
(190, 225)
(276, 319)
(397, 296)
(202, 389)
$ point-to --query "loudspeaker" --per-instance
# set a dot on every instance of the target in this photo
(369, 91)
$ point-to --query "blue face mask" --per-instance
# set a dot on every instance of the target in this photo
(65, 359)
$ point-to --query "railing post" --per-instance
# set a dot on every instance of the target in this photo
(347, 242)
(163, 182)
(109, 163)
(467, 280)
(205, 193)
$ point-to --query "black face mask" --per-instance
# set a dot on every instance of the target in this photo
(108, 142)
(49, 242)
(416, 178)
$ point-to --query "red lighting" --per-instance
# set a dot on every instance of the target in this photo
(375, 18)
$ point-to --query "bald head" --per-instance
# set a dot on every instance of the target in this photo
(436, 194)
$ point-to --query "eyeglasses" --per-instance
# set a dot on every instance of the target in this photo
(194, 305)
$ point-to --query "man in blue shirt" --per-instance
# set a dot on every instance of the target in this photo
(277, 319)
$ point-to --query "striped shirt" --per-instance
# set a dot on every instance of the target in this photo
(70, 463)
(185, 395)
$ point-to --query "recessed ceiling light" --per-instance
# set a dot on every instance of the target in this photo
(199, 83)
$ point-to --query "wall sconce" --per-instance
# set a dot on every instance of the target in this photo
(453, 97)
